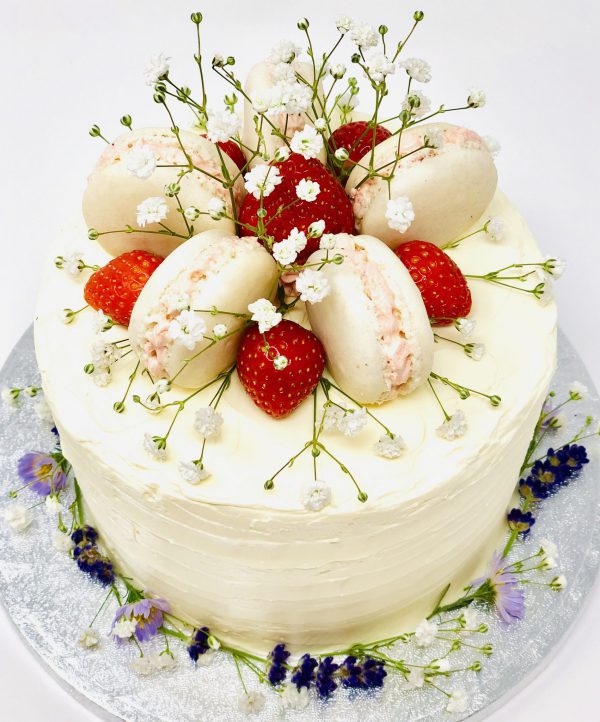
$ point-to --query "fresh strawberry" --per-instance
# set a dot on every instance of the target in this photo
(441, 282)
(115, 288)
(331, 205)
(234, 151)
(357, 139)
(278, 391)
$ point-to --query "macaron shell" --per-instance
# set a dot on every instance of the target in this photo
(450, 187)
(113, 192)
(249, 273)
(347, 325)
(259, 83)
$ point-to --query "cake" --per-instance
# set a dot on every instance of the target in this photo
(320, 560)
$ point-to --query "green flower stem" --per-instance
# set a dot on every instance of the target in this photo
(465, 391)
(327, 384)
(437, 398)
(229, 183)
(362, 496)
(515, 532)
(121, 404)
(211, 343)
(104, 603)
(401, 45)
(79, 503)
(270, 483)
(214, 311)
(454, 244)
(200, 69)
(130, 229)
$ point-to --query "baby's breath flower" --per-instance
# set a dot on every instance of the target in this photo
(157, 68)
(425, 633)
(465, 326)
(102, 322)
(454, 427)
(316, 228)
(544, 291)
(558, 583)
(344, 24)
(327, 242)
(353, 422)
(416, 104)
(390, 447)
(321, 124)
(284, 252)
(417, 69)
(554, 266)
(62, 542)
(192, 472)
(265, 314)
(154, 447)
(416, 678)
(312, 285)
(151, 210)
(73, 264)
(399, 213)
(457, 702)
(307, 190)
(316, 495)
(18, 517)
(298, 238)
(282, 154)
(208, 422)
(342, 155)
(284, 52)
(192, 213)
(10, 399)
(251, 702)
(434, 138)
(294, 697)
(337, 71)
(549, 548)
(261, 180)
(188, 329)
(162, 386)
(331, 417)
(101, 378)
(88, 638)
(280, 362)
(477, 98)
(216, 208)
(220, 330)
(363, 35)
(578, 391)
(307, 142)
(141, 161)
(378, 65)
(491, 144)
(475, 351)
(53, 505)
(495, 229)
(222, 125)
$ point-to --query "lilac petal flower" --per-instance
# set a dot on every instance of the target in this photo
(148, 613)
(41, 473)
(501, 588)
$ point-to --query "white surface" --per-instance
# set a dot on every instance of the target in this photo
(69, 64)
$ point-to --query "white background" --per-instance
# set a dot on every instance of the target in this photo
(69, 63)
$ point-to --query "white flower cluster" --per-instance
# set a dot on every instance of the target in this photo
(378, 65)
(286, 95)
(187, 329)
(73, 263)
(192, 473)
(417, 69)
(363, 35)
(495, 229)
(454, 427)
(307, 142)
(265, 314)
(18, 518)
(316, 495)
(104, 355)
(417, 104)
(284, 52)
(307, 190)
(399, 213)
(425, 633)
(251, 702)
(286, 251)
(222, 125)
(151, 210)
(153, 662)
(141, 161)
(208, 422)
(349, 421)
(261, 180)
(312, 286)
(156, 69)
(153, 449)
(216, 208)
(390, 447)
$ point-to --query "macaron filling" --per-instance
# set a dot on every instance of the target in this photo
(155, 342)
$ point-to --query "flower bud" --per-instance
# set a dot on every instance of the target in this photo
(303, 24)
(191, 213)
(218, 61)
(342, 155)
(355, 58)
(282, 154)
(59, 262)
(95, 131)
(172, 189)
(418, 16)
(261, 212)
(230, 60)
(383, 29)
(126, 121)
(269, 484)
(158, 98)
(93, 234)
(196, 18)
(88, 369)
(119, 407)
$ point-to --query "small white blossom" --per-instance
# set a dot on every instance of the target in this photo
(348, 100)
(162, 386)
(151, 210)
(261, 180)
(316, 228)
(312, 286)
(331, 417)
(548, 563)
(307, 190)
(101, 378)
(73, 264)
(417, 69)
(216, 208)
(342, 155)
(578, 391)
(124, 628)
(559, 583)
(425, 633)
(491, 144)
(89, 638)
(545, 291)
(399, 213)
(555, 267)
(417, 104)
(283, 74)
(344, 24)
(328, 242)
(280, 362)
(475, 350)
(66, 316)
(454, 427)
(390, 447)
(42, 411)
(465, 326)
(294, 698)
(298, 238)
(282, 154)
(549, 548)
(495, 229)
(192, 473)
(260, 103)
(320, 124)
(11, 401)
(220, 330)
(152, 662)
(289, 97)
(208, 422)
(18, 517)
(102, 322)
(53, 505)
(337, 71)
(434, 138)
(476, 98)
(416, 678)
(307, 142)
(62, 542)
(141, 161)
(192, 213)
(316, 495)
(353, 422)
(378, 65)
(30, 391)
(188, 329)
(265, 314)
(470, 618)
(284, 252)
(457, 702)
(222, 125)
(251, 702)
(104, 354)
(206, 659)
(284, 52)
(157, 68)
(153, 449)
(363, 35)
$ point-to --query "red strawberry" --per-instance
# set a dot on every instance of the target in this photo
(441, 282)
(115, 288)
(357, 139)
(331, 205)
(234, 151)
(279, 392)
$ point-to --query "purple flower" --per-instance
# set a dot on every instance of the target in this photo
(520, 521)
(325, 683)
(41, 473)
(199, 643)
(304, 672)
(501, 588)
(148, 615)
(278, 668)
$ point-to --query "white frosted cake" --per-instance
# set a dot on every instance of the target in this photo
(312, 351)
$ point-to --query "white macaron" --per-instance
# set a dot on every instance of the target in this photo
(449, 187)
(173, 330)
(125, 175)
(262, 86)
(373, 323)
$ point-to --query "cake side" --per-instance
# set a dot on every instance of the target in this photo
(255, 564)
